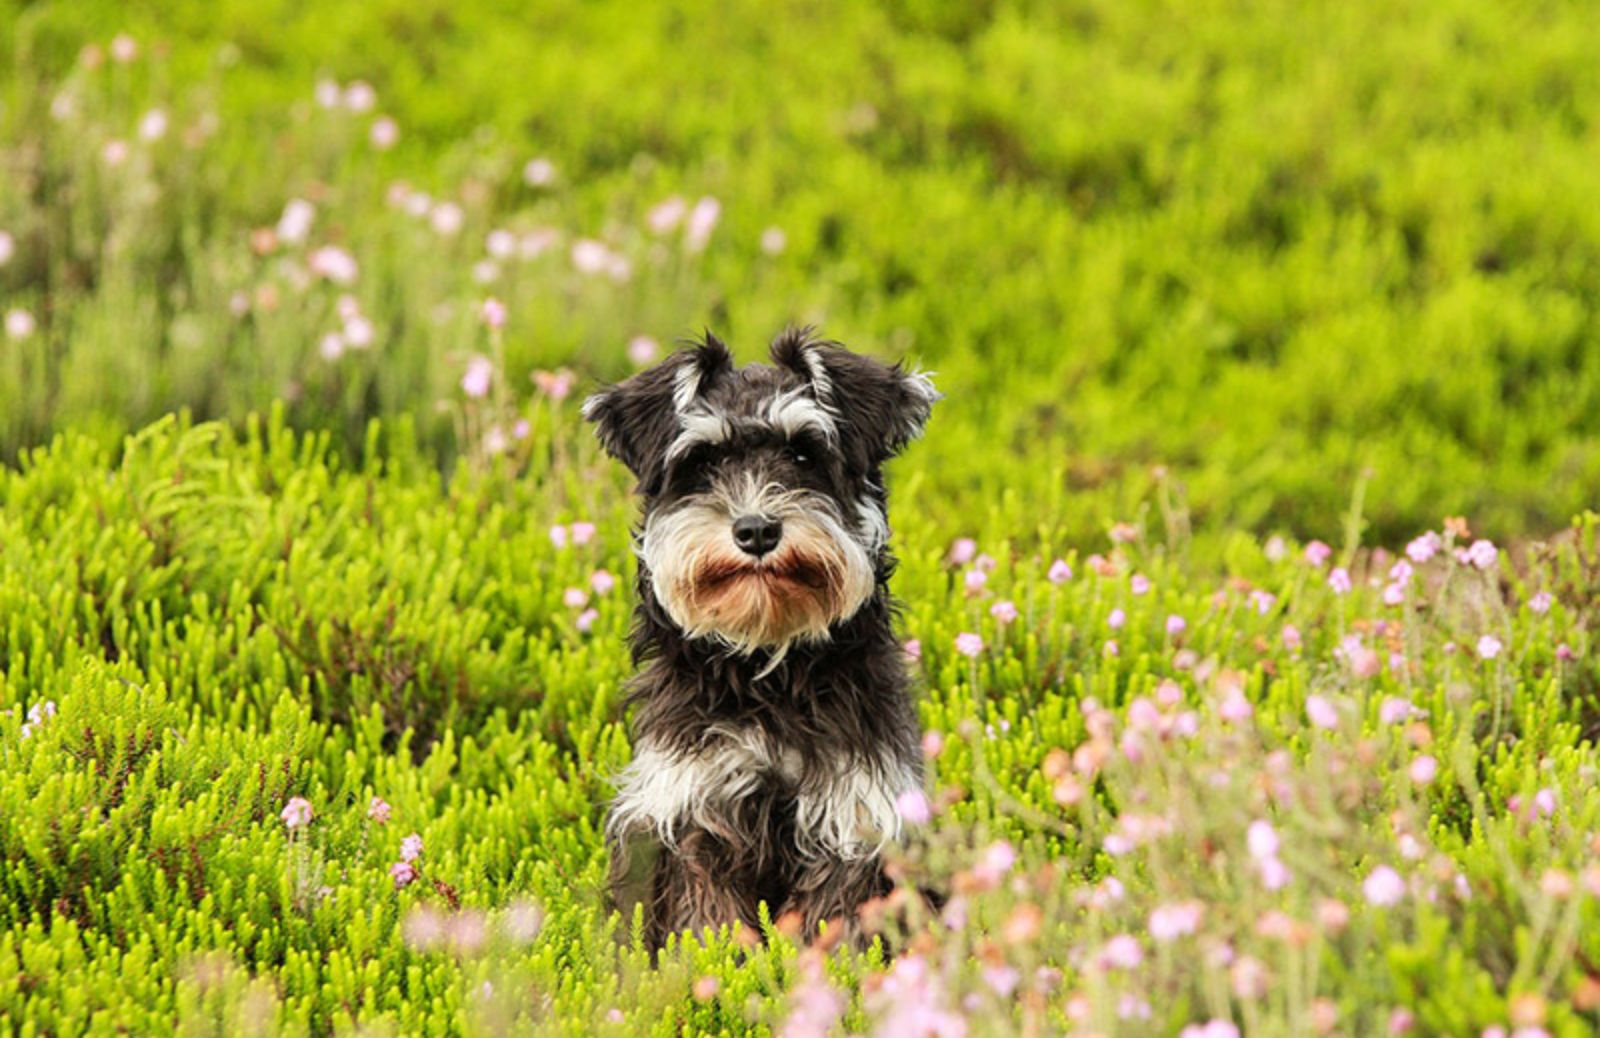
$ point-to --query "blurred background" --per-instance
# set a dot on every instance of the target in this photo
(1261, 264)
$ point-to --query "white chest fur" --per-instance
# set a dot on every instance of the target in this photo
(843, 808)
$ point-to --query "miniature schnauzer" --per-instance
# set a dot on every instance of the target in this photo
(774, 729)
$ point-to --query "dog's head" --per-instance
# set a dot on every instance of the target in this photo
(764, 518)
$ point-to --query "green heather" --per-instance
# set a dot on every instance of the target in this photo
(287, 526)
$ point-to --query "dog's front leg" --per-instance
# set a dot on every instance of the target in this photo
(833, 889)
(700, 883)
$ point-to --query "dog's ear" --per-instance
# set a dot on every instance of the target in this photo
(638, 418)
(882, 406)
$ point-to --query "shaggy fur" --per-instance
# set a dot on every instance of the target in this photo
(773, 723)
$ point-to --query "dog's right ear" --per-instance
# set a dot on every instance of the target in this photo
(638, 418)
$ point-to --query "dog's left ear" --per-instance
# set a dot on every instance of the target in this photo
(638, 418)
(883, 406)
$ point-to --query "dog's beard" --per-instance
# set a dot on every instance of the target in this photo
(817, 576)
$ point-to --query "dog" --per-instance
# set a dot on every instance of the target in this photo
(774, 729)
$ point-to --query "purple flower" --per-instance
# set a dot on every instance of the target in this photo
(1263, 601)
(602, 581)
(575, 598)
(582, 532)
(975, 579)
(1321, 712)
(1139, 584)
(1176, 625)
(1394, 594)
(475, 383)
(962, 550)
(1060, 572)
(1115, 619)
(912, 805)
(1004, 611)
(1394, 710)
(1489, 647)
(403, 873)
(1482, 554)
(1171, 921)
(585, 620)
(1122, 952)
(378, 810)
(1318, 553)
(1540, 603)
(969, 644)
(1424, 548)
(411, 848)
(493, 312)
(1383, 886)
(1339, 581)
(296, 813)
(913, 648)
(1262, 840)
(702, 221)
(1423, 770)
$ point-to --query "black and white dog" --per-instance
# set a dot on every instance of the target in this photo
(773, 727)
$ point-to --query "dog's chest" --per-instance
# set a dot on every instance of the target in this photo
(842, 806)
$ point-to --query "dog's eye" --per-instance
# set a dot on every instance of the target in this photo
(799, 455)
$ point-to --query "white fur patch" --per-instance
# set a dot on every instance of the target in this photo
(685, 385)
(793, 411)
(820, 379)
(844, 810)
(853, 811)
(700, 426)
(872, 523)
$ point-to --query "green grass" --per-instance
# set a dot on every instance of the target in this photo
(1200, 282)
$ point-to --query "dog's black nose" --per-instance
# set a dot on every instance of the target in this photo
(756, 534)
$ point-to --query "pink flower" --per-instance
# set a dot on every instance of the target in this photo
(913, 648)
(1423, 770)
(913, 806)
(1482, 554)
(480, 370)
(1235, 708)
(385, 133)
(19, 324)
(153, 125)
(702, 221)
(1263, 601)
(1401, 1021)
(932, 743)
(360, 97)
(537, 242)
(774, 241)
(493, 313)
(642, 350)
(1394, 710)
(1563, 651)
(998, 859)
(1111, 647)
(962, 550)
(1175, 625)
(1423, 548)
(1262, 840)
(575, 598)
(334, 264)
(1115, 619)
(1339, 581)
(969, 644)
(500, 243)
(1121, 952)
(1218, 1028)
(1394, 594)
(446, 219)
(1318, 553)
(1401, 572)
(1171, 921)
(411, 848)
(558, 535)
(582, 532)
(539, 172)
(1274, 874)
(585, 620)
(1540, 603)
(974, 579)
(666, 214)
(1291, 637)
(296, 813)
(1320, 712)
(378, 811)
(1383, 886)
(1139, 584)
(8, 247)
(602, 581)
(123, 49)
(403, 873)
(1059, 572)
(1489, 647)
(1004, 611)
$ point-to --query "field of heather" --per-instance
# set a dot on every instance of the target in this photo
(1249, 567)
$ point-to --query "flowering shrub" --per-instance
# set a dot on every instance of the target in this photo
(330, 746)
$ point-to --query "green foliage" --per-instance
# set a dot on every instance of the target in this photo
(223, 621)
